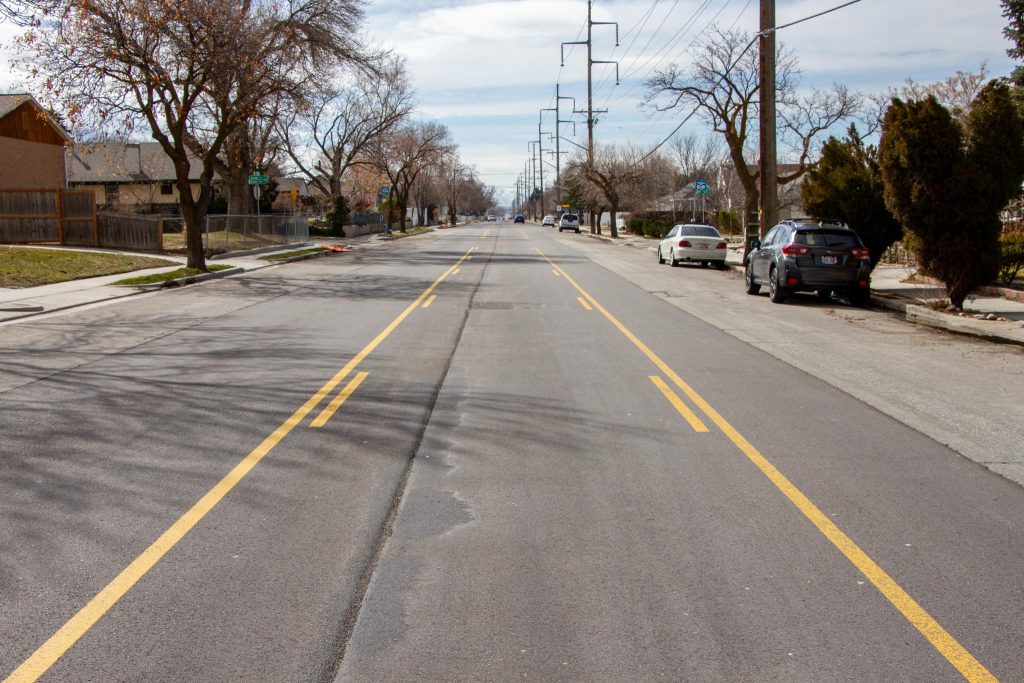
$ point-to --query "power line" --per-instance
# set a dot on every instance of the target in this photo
(757, 37)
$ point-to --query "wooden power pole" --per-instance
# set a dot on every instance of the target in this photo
(769, 158)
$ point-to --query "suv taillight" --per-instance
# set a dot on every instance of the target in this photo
(685, 243)
(795, 250)
(862, 253)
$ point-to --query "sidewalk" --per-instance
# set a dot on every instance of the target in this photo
(987, 317)
(30, 301)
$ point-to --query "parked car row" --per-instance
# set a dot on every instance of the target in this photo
(797, 255)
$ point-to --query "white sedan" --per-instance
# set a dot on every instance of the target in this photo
(548, 220)
(693, 243)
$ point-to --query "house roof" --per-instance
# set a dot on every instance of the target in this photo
(285, 185)
(136, 162)
(11, 101)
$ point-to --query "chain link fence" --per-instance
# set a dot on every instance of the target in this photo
(226, 233)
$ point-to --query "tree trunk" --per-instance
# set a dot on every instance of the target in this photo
(613, 224)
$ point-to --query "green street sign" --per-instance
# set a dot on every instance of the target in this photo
(258, 179)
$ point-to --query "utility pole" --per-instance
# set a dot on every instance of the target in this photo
(589, 42)
(558, 136)
(769, 158)
(540, 164)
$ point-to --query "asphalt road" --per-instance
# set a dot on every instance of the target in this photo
(533, 468)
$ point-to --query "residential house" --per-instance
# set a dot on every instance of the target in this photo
(285, 203)
(137, 176)
(31, 145)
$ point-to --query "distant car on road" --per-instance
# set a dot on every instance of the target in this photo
(693, 243)
(569, 221)
(492, 218)
(519, 218)
(548, 220)
(810, 255)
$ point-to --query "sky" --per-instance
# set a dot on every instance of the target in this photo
(486, 69)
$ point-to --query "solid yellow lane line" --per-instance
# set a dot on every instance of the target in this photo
(957, 655)
(583, 302)
(67, 635)
(328, 412)
(677, 402)
(426, 304)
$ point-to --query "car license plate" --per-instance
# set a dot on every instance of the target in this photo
(829, 260)
(703, 246)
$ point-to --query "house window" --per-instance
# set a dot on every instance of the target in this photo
(113, 194)
(166, 189)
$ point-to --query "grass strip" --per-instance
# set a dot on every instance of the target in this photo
(289, 254)
(397, 234)
(172, 275)
(31, 267)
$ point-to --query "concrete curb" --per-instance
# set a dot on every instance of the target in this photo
(261, 250)
(187, 280)
(398, 236)
(301, 257)
(922, 315)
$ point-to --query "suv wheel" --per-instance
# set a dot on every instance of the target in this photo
(776, 292)
(752, 287)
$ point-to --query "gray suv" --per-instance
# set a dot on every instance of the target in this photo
(810, 255)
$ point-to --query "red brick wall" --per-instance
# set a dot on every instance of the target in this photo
(26, 164)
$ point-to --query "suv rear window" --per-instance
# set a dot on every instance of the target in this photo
(570, 217)
(827, 238)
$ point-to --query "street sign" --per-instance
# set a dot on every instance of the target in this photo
(700, 186)
(385, 191)
(295, 194)
(258, 179)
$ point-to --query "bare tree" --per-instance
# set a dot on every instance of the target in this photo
(404, 154)
(697, 156)
(722, 84)
(453, 178)
(325, 134)
(191, 72)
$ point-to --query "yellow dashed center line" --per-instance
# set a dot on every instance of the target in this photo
(957, 655)
(67, 635)
(584, 304)
(426, 304)
(677, 402)
(557, 274)
(328, 412)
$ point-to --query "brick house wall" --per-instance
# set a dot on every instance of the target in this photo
(27, 165)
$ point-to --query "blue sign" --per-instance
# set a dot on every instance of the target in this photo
(385, 191)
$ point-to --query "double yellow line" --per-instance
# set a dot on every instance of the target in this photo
(67, 635)
(957, 655)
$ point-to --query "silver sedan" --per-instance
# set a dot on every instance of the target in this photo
(693, 243)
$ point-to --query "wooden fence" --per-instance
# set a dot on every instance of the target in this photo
(69, 217)
(64, 216)
(132, 231)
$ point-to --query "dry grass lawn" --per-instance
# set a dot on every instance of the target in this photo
(30, 267)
